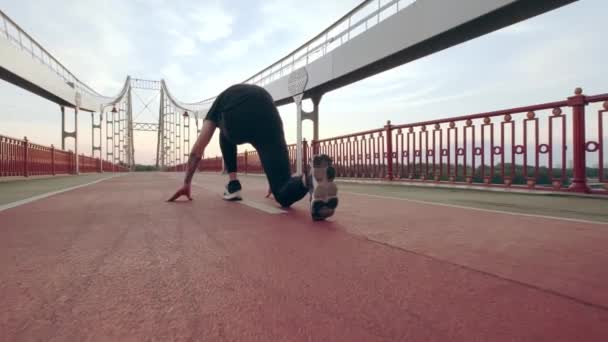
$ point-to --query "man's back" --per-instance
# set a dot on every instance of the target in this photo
(239, 93)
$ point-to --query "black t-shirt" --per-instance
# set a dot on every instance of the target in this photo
(232, 97)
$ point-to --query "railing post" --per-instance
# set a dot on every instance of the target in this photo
(26, 161)
(53, 159)
(71, 158)
(578, 103)
(389, 150)
(305, 152)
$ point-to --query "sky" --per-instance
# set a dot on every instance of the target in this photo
(201, 47)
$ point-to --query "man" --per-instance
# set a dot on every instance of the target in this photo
(246, 114)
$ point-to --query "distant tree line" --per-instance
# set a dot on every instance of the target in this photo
(545, 177)
(145, 168)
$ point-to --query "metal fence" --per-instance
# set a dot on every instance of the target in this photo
(556, 146)
(21, 158)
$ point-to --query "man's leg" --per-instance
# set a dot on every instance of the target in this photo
(258, 122)
(275, 160)
(233, 189)
(229, 154)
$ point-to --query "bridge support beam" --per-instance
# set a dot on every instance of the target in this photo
(119, 136)
(130, 147)
(77, 166)
(110, 136)
(300, 118)
(178, 136)
(73, 134)
(296, 85)
(186, 136)
(160, 140)
(314, 117)
(94, 127)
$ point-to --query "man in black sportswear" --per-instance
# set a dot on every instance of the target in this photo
(246, 113)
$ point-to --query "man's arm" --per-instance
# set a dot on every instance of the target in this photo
(195, 158)
(198, 149)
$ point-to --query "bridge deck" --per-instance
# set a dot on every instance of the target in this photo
(112, 261)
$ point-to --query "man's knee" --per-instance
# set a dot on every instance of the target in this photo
(283, 201)
(286, 199)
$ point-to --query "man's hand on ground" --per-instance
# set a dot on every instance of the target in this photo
(183, 191)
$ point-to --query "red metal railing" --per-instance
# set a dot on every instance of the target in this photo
(22, 158)
(542, 146)
(247, 162)
(358, 155)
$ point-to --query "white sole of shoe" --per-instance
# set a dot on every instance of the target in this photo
(324, 199)
(235, 196)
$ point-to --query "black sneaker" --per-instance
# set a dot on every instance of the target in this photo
(233, 191)
(324, 192)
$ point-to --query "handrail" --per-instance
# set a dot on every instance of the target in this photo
(351, 135)
(548, 105)
(598, 98)
(21, 140)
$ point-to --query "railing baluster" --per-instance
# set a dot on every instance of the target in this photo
(492, 159)
(389, 149)
(602, 141)
(424, 150)
(458, 153)
(420, 152)
(465, 147)
(513, 147)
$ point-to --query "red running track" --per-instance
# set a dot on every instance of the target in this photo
(113, 262)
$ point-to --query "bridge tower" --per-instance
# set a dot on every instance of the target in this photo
(172, 128)
(173, 146)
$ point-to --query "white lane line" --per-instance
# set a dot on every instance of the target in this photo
(269, 209)
(263, 207)
(48, 194)
(478, 209)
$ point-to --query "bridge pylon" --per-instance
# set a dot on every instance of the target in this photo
(172, 128)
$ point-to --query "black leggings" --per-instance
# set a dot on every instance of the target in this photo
(256, 120)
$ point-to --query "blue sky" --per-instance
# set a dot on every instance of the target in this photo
(201, 47)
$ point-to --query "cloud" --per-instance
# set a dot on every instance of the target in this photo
(553, 57)
(186, 26)
(238, 48)
(306, 21)
(212, 23)
(234, 49)
(184, 46)
(524, 27)
(174, 74)
(427, 100)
